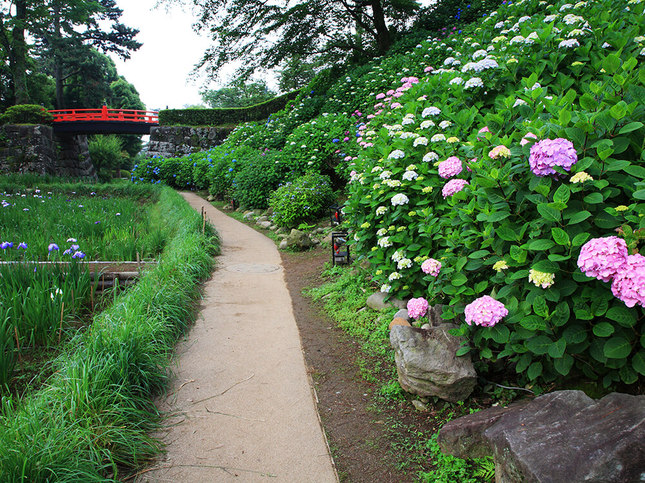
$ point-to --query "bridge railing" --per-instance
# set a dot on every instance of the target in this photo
(105, 114)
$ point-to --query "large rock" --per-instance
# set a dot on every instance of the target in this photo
(427, 365)
(377, 301)
(298, 240)
(561, 436)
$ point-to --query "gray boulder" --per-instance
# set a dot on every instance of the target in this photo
(376, 301)
(427, 365)
(403, 314)
(262, 218)
(298, 240)
(561, 436)
(249, 215)
(264, 224)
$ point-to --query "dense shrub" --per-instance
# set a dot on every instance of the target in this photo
(231, 115)
(258, 178)
(106, 152)
(320, 145)
(302, 200)
(26, 114)
(504, 225)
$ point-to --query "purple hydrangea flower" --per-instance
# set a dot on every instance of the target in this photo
(453, 186)
(52, 247)
(548, 153)
(417, 307)
(603, 257)
(485, 311)
(450, 167)
(629, 282)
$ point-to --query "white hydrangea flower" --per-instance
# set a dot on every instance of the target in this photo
(427, 123)
(399, 199)
(394, 276)
(569, 44)
(445, 124)
(438, 137)
(473, 82)
(531, 38)
(550, 18)
(431, 157)
(392, 183)
(519, 102)
(381, 210)
(566, 6)
(407, 135)
(381, 232)
(518, 39)
(396, 154)
(384, 242)
(431, 111)
(523, 19)
(456, 81)
(499, 25)
(449, 61)
(404, 263)
(410, 176)
(571, 19)
(606, 46)
(420, 141)
(407, 120)
(376, 169)
(385, 288)
(397, 255)
(478, 54)
(385, 174)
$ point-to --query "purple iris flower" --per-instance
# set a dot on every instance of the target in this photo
(4, 245)
(78, 255)
(22, 245)
(52, 246)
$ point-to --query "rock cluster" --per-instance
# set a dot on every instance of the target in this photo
(177, 141)
(294, 239)
(560, 436)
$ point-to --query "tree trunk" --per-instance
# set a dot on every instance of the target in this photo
(58, 70)
(383, 38)
(18, 64)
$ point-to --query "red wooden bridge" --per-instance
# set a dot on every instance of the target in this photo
(104, 121)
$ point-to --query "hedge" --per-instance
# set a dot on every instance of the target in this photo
(217, 117)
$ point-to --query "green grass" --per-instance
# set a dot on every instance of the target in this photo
(91, 421)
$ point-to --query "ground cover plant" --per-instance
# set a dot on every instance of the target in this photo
(90, 421)
(507, 185)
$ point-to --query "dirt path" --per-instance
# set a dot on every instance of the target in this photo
(243, 405)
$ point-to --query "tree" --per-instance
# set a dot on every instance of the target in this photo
(64, 32)
(263, 35)
(238, 95)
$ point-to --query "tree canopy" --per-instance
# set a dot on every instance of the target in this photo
(238, 95)
(264, 35)
(65, 32)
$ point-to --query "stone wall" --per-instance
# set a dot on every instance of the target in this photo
(36, 149)
(177, 141)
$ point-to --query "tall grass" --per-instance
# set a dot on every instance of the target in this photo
(91, 421)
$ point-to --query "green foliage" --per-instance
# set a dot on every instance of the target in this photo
(26, 114)
(445, 16)
(258, 178)
(304, 199)
(238, 95)
(218, 117)
(447, 468)
(588, 94)
(106, 152)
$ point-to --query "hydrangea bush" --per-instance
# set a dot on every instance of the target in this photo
(520, 145)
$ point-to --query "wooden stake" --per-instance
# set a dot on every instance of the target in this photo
(15, 328)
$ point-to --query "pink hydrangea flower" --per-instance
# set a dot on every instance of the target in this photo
(380, 95)
(431, 267)
(453, 186)
(450, 167)
(417, 307)
(485, 311)
(428, 69)
(483, 131)
(629, 282)
(548, 153)
(527, 138)
(603, 257)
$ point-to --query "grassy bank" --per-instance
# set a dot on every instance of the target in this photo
(91, 421)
